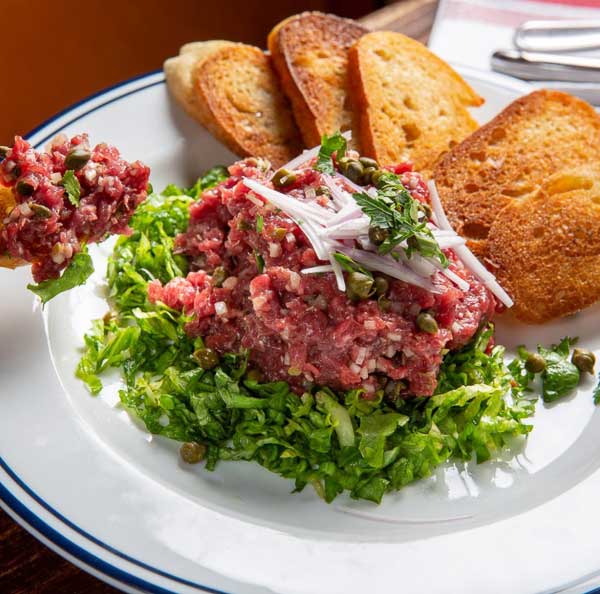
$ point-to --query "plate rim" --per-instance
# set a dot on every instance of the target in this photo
(26, 516)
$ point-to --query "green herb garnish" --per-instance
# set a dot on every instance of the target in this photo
(330, 145)
(72, 187)
(76, 273)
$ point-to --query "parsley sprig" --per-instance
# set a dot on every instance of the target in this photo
(402, 217)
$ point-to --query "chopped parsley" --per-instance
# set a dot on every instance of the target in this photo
(72, 187)
(401, 217)
(330, 145)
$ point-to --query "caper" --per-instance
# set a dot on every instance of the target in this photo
(16, 172)
(394, 388)
(77, 158)
(283, 177)
(244, 225)
(368, 175)
(192, 452)
(535, 363)
(218, 276)
(381, 285)
(279, 233)
(4, 151)
(378, 235)
(384, 303)
(584, 360)
(294, 371)
(254, 375)
(25, 188)
(354, 171)
(376, 176)
(359, 286)
(426, 322)
(368, 162)
(323, 191)
(41, 211)
(206, 358)
(343, 163)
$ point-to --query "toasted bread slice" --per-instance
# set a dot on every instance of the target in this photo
(310, 55)
(239, 100)
(179, 70)
(546, 248)
(409, 104)
(511, 156)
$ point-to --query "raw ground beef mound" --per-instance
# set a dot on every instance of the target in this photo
(299, 327)
(44, 227)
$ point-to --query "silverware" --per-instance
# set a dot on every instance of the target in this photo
(546, 66)
(558, 36)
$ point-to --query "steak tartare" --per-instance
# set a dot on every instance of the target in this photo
(65, 198)
(250, 289)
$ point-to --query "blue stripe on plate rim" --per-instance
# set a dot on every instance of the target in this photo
(27, 517)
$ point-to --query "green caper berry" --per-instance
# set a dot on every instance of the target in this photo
(25, 188)
(323, 191)
(218, 276)
(279, 233)
(41, 211)
(368, 162)
(376, 176)
(377, 235)
(394, 388)
(359, 286)
(254, 375)
(77, 158)
(343, 163)
(354, 171)
(535, 363)
(283, 177)
(206, 358)
(4, 151)
(192, 452)
(381, 285)
(426, 322)
(368, 175)
(584, 360)
(384, 303)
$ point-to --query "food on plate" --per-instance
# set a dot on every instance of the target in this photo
(335, 332)
(58, 201)
(409, 104)
(237, 97)
(508, 159)
(179, 71)
(310, 54)
(267, 257)
(545, 247)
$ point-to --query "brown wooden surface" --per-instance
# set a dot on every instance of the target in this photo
(27, 566)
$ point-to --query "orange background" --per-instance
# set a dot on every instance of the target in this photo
(57, 52)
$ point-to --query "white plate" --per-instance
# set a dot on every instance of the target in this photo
(83, 478)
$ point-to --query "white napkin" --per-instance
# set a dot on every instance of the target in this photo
(469, 31)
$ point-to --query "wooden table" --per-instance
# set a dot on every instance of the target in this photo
(27, 566)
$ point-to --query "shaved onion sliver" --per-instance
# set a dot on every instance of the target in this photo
(418, 264)
(449, 241)
(312, 234)
(348, 229)
(339, 275)
(461, 283)
(464, 253)
(340, 197)
(309, 154)
(317, 269)
(351, 211)
(388, 266)
(288, 204)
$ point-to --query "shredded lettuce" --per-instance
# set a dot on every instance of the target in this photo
(76, 273)
(334, 442)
